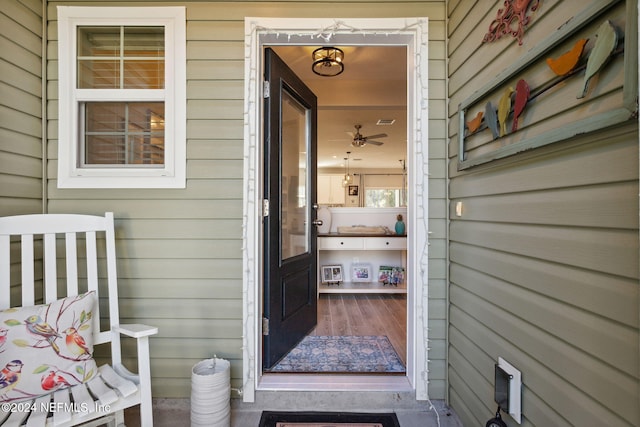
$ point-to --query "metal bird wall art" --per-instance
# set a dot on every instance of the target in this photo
(605, 44)
(504, 108)
(522, 97)
(491, 118)
(604, 47)
(474, 123)
(566, 62)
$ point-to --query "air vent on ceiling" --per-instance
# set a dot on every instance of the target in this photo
(385, 122)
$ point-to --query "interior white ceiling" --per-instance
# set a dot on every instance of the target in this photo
(372, 87)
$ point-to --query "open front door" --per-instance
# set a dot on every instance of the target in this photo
(290, 262)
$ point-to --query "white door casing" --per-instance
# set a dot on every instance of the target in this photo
(409, 32)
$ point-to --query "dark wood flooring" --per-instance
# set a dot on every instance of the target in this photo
(373, 314)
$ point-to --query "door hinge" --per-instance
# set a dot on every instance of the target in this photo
(265, 207)
(265, 89)
(265, 326)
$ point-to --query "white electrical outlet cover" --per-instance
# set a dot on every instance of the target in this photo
(515, 390)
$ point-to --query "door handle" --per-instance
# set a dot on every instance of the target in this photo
(317, 222)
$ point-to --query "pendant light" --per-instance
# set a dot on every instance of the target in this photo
(347, 176)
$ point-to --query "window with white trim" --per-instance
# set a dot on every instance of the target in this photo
(122, 97)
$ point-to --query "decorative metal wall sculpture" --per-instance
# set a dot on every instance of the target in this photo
(606, 43)
(511, 123)
(564, 66)
(511, 20)
(567, 61)
(522, 97)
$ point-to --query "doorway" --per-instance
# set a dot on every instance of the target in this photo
(361, 156)
(411, 33)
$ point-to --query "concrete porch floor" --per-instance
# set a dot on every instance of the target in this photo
(410, 413)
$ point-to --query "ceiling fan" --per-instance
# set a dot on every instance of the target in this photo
(360, 140)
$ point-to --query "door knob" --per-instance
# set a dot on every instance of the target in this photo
(317, 222)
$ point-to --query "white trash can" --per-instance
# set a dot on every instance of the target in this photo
(211, 393)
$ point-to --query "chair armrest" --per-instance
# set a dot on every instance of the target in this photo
(135, 330)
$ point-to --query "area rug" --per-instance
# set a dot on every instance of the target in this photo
(344, 354)
(327, 419)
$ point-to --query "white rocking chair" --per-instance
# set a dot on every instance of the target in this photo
(25, 280)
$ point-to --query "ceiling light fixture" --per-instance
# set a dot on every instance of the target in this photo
(347, 176)
(327, 61)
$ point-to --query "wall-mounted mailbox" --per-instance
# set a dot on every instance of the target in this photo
(508, 389)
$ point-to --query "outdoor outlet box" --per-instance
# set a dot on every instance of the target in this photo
(508, 389)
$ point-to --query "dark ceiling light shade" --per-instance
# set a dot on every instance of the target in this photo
(327, 61)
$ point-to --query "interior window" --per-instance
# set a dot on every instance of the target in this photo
(382, 197)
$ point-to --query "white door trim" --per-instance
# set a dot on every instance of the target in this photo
(409, 32)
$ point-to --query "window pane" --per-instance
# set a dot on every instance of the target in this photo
(144, 41)
(98, 53)
(98, 74)
(381, 198)
(105, 150)
(99, 41)
(121, 57)
(119, 133)
(294, 206)
(144, 58)
(143, 74)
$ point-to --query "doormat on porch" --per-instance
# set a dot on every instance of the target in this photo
(352, 354)
(327, 419)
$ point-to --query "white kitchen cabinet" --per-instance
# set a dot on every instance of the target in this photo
(330, 190)
(372, 251)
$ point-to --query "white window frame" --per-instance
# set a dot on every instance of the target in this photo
(70, 173)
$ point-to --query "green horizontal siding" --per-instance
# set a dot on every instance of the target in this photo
(21, 107)
(544, 259)
(180, 250)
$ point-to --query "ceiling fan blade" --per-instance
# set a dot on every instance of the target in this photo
(380, 135)
(351, 134)
(374, 142)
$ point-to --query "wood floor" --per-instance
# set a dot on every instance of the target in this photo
(346, 314)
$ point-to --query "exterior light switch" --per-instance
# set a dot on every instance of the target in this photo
(458, 208)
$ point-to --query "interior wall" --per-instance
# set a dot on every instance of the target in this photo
(544, 251)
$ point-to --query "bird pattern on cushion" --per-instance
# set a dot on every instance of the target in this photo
(47, 347)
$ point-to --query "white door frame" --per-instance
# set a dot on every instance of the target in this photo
(409, 32)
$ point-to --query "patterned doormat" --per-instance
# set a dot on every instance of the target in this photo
(342, 354)
(327, 419)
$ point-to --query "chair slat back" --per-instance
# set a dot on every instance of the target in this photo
(71, 258)
(54, 230)
(5, 271)
(50, 269)
(27, 269)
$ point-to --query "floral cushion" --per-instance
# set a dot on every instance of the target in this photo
(46, 347)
